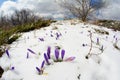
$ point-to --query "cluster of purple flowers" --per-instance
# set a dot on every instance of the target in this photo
(58, 35)
(57, 53)
(47, 57)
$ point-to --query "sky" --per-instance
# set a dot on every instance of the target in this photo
(50, 8)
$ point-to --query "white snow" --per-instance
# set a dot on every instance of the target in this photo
(104, 66)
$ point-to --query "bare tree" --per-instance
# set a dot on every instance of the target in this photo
(82, 8)
(23, 16)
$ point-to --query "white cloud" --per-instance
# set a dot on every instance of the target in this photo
(51, 8)
(112, 11)
(46, 7)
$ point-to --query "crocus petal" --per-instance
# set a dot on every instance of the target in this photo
(27, 55)
(56, 53)
(7, 52)
(42, 65)
(48, 52)
(62, 54)
(39, 71)
(70, 59)
(31, 51)
(46, 59)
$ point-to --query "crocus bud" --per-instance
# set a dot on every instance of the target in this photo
(56, 53)
(41, 39)
(7, 52)
(48, 52)
(62, 54)
(27, 55)
(12, 68)
(31, 51)
(42, 65)
(97, 40)
(39, 71)
(46, 59)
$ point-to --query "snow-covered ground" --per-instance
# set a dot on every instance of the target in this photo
(27, 53)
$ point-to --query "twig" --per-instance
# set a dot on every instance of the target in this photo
(89, 53)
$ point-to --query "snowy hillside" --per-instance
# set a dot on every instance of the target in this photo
(70, 50)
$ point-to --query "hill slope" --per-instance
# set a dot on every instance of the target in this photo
(22, 61)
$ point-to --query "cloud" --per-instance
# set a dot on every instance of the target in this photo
(112, 11)
(41, 7)
(51, 9)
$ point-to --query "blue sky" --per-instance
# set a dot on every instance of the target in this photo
(52, 9)
(1, 1)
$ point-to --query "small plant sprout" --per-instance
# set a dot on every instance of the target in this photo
(48, 52)
(102, 48)
(57, 54)
(114, 36)
(116, 39)
(62, 54)
(84, 45)
(38, 70)
(46, 59)
(8, 54)
(31, 51)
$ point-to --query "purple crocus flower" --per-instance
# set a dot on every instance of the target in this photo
(39, 71)
(31, 51)
(51, 35)
(57, 36)
(62, 54)
(42, 65)
(41, 39)
(97, 40)
(27, 55)
(48, 52)
(7, 52)
(46, 59)
(12, 68)
(57, 53)
(116, 39)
